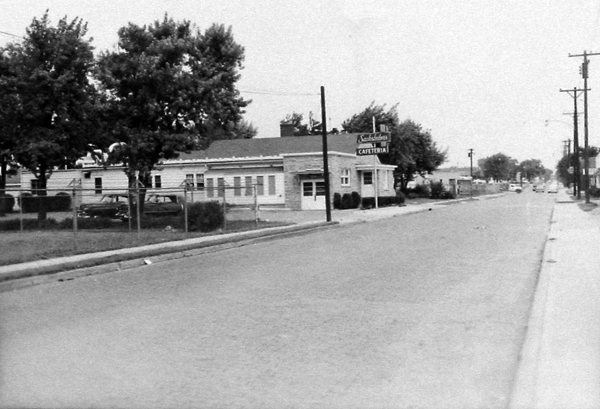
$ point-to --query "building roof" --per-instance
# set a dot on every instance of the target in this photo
(243, 148)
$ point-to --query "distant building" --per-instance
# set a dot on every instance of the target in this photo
(281, 172)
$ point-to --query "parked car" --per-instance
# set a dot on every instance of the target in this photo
(514, 187)
(553, 188)
(107, 206)
(155, 205)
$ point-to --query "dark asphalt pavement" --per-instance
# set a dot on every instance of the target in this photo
(425, 310)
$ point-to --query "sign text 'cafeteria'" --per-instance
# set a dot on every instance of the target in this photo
(373, 137)
(372, 150)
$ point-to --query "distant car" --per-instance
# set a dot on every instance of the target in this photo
(155, 205)
(553, 188)
(534, 187)
(107, 206)
(514, 187)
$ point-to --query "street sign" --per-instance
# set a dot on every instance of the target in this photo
(373, 137)
(373, 150)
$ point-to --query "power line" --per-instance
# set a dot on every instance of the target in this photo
(10, 35)
(278, 93)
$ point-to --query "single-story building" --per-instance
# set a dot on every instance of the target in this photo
(281, 172)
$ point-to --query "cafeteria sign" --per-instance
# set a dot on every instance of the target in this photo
(372, 143)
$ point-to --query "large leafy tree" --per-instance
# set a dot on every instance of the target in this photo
(171, 89)
(498, 167)
(531, 168)
(564, 168)
(412, 149)
(8, 134)
(46, 80)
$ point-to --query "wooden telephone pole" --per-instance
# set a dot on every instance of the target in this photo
(584, 73)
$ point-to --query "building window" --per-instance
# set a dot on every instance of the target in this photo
(200, 181)
(35, 186)
(189, 181)
(157, 182)
(98, 186)
(237, 186)
(260, 185)
(368, 178)
(221, 186)
(272, 191)
(248, 185)
(345, 177)
(210, 187)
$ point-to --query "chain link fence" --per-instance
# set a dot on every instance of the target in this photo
(116, 209)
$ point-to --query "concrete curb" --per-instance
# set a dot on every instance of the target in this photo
(65, 268)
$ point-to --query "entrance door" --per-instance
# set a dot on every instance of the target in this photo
(313, 195)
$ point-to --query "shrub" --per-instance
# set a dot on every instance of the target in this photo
(368, 202)
(356, 202)
(347, 201)
(8, 203)
(422, 190)
(205, 216)
(61, 202)
(400, 197)
(337, 201)
(28, 203)
(594, 191)
(447, 195)
(28, 224)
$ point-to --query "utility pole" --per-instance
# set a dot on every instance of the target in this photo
(325, 156)
(577, 180)
(471, 173)
(584, 73)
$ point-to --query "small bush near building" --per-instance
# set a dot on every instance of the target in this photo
(594, 191)
(61, 202)
(205, 216)
(337, 201)
(356, 202)
(347, 201)
(8, 203)
(400, 197)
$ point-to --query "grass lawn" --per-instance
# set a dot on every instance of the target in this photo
(34, 245)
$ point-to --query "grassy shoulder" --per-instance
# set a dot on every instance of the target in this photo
(33, 245)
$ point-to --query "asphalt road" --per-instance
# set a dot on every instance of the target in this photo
(420, 311)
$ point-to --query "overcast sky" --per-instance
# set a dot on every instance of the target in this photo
(479, 74)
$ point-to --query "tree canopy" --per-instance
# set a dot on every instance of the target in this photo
(412, 149)
(313, 126)
(498, 167)
(531, 169)
(170, 89)
(47, 96)
(563, 172)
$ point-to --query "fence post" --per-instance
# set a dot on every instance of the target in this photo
(254, 193)
(185, 211)
(224, 209)
(74, 205)
(21, 209)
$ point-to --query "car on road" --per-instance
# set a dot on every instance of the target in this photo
(108, 206)
(515, 187)
(553, 188)
(155, 205)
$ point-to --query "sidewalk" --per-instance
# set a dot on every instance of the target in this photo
(560, 360)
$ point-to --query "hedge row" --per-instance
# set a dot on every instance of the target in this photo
(202, 216)
(61, 202)
(354, 201)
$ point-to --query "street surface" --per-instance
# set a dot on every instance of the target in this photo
(426, 310)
